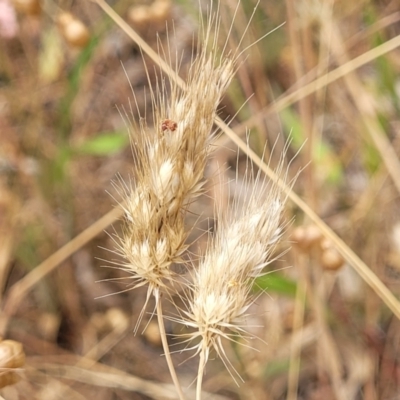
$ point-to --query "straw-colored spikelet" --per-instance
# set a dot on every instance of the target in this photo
(170, 168)
(236, 255)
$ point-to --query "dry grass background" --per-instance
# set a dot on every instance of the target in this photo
(329, 324)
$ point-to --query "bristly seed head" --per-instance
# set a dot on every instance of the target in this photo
(170, 167)
(236, 255)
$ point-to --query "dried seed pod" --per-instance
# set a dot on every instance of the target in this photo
(117, 319)
(73, 30)
(139, 15)
(152, 334)
(160, 10)
(29, 7)
(156, 13)
(12, 357)
(326, 244)
(49, 325)
(299, 236)
(331, 259)
(306, 237)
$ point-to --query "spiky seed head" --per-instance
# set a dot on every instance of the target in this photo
(236, 255)
(170, 169)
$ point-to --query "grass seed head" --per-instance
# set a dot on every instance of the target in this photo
(236, 255)
(170, 167)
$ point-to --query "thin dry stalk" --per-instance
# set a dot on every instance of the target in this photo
(365, 105)
(100, 375)
(360, 267)
(298, 324)
(321, 82)
(298, 48)
(167, 353)
(20, 289)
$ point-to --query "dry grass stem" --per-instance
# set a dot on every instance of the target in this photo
(100, 375)
(321, 82)
(28, 282)
(360, 267)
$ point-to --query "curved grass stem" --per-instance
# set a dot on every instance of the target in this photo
(200, 374)
(164, 341)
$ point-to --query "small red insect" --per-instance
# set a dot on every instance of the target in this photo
(168, 124)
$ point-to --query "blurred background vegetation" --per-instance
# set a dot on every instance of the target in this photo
(329, 78)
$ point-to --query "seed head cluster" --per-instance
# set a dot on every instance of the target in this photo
(170, 161)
